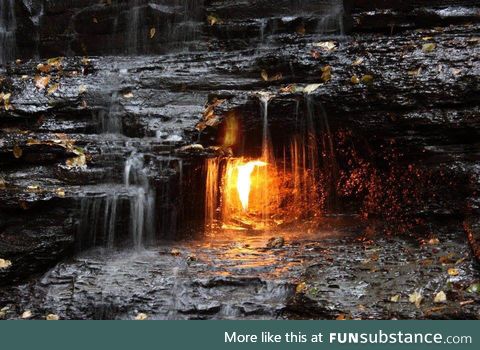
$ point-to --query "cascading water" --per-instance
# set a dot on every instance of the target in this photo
(142, 205)
(8, 28)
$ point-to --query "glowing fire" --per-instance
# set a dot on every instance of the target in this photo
(244, 181)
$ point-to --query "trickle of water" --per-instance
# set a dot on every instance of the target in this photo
(142, 205)
(104, 218)
(8, 28)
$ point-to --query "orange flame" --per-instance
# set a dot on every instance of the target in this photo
(244, 181)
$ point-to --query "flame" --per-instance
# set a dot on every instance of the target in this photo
(244, 181)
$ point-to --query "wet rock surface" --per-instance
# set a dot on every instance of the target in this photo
(233, 275)
(97, 139)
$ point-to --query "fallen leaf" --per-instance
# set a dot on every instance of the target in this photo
(358, 61)
(141, 317)
(453, 272)
(367, 79)
(17, 151)
(44, 68)
(264, 75)
(429, 47)
(60, 192)
(395, 298)
(55, 62)
(27, 314)
(152, 33)
(82, 89)
(326, 73)
(175, 252)
(212, 20)
(311, 88)
(291, 88)
(355, 80)
(416, 298)
(433, 241)
(315, 54)
(474, 288)
(3, 184)
(76, 162)
(440, 297)
(301, 288)
(128, 95)
(326, 45)
(52, 317)
(415, 72)
(41, 82)
(51, 90)
(5, 264)
(341, 317)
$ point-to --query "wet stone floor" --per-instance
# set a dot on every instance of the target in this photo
(336, 272)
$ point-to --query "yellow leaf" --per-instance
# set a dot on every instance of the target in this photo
(355, 80)
(367, 79)
(429, 47)
(440, 297)
(152, 32)
(212, 20)
(264, 75)
(52, 317)
(453, 272)
(301, 288)
(326, 73)
(395, 298)
(60, 192)
(416, 298)
(77, 162)
(51, 90)
(55, 62)
(17, 151)
(357, 62)
(128, 95)
(415, 72)
(5, 264)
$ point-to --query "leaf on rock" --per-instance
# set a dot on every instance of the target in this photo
(416, 298)
(429, 47)
(326, 45)
(355, 80)
(17, 151)
(152, 33)
(5, 264)
(41, 82)
(141, 317)
(453, 272)
(55, 62)
(311, 88)
(82, 89)
(395, 298)
(212, 20)
(76, 162)
(326, 73)
(301, 288)
(52, 317)
(51, 90)
(474, 288)
(44, 68)
(440, 297)
(27, 314)
(128, 95)
(367, 79)
(358, 61)
(415, 72)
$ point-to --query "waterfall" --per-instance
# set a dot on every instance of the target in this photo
(142, 204)
(125, 210)
(8, 27)
(36, 10)
(134, 28)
